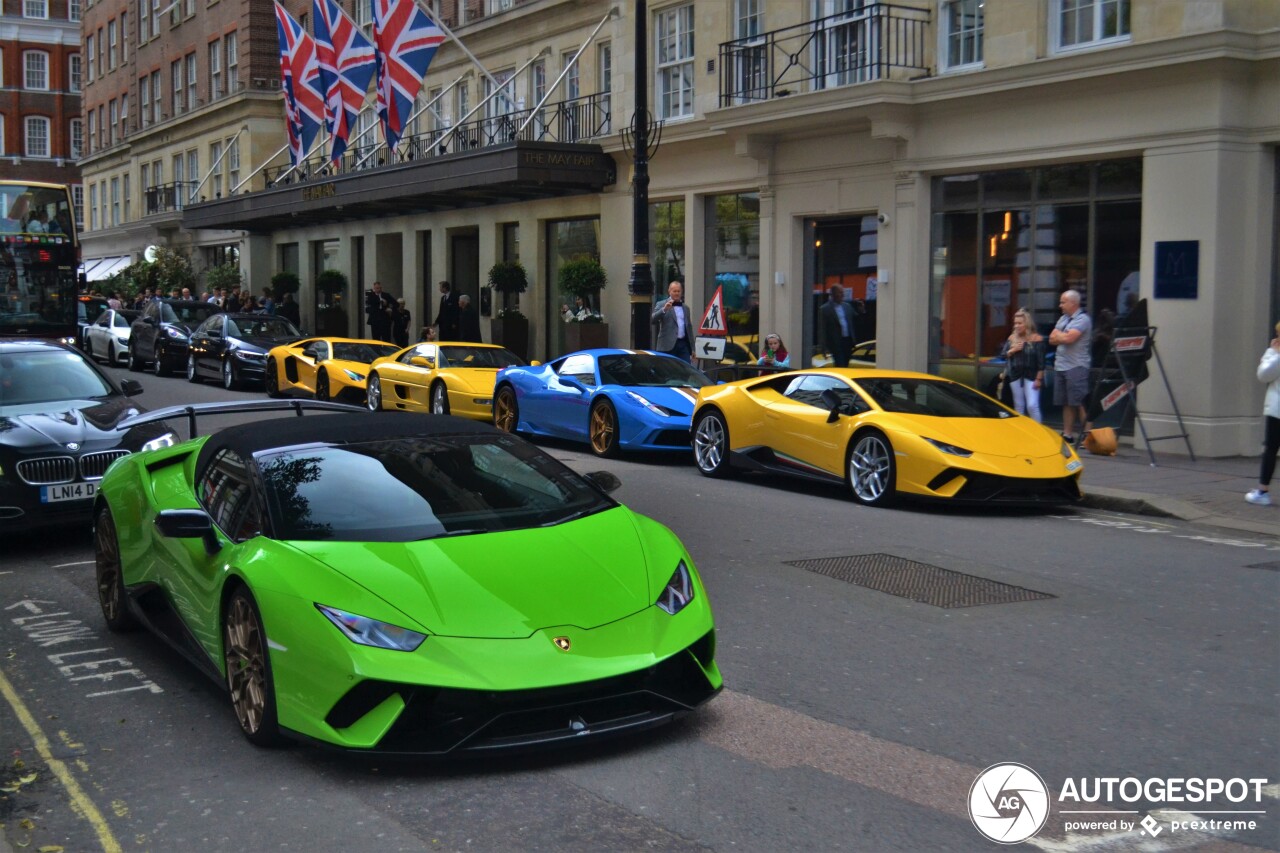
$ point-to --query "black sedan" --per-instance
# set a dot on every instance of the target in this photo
(58, 417)
(233, 347)
(159, 337)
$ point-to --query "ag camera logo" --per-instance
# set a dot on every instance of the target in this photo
(1008, 803)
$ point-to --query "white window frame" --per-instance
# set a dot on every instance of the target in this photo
(191, 80)
(35, 9)
(144, 177)
(113, 112)
(113, 43)
(968, 10)
(144, 21)
(217, 166)
(2, 123)
(93, 130)
(75, 138)
(124, 37)
(233, 163)
(604, 83)
(1096, 11)
(77, 202)
(36, 132)
(73, 10)
(29, 80)
(193, 173)
(573, 79)
(124, 115)
(75, 80)
(176, 76)
(144, 99)
(215, 69)
(672, 28)
(157, 97)
(115, 202)
(124, 184)
(93, 207)
(231, 58)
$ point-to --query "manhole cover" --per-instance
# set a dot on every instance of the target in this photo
(918, 581)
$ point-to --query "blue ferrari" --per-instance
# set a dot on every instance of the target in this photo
(613, 399)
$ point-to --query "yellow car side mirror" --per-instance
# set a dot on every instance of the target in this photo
(535, 363)
(422, 361)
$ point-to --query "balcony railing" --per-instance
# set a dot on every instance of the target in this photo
(579, 120)
(164, 198)
(869, 44)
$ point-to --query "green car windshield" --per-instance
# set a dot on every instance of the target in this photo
(911, 396)
(409, 489)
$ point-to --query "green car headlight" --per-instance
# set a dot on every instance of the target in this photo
(949, 449)
(371, 632)
(678, 592)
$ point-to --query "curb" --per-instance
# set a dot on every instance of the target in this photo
(1141, 503)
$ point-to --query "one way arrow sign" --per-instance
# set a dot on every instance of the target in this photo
(711, 349)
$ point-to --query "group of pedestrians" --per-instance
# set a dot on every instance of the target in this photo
(389, 318)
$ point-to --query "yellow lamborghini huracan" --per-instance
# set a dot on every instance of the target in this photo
(885, 433)
(441, 378)
(324, 368)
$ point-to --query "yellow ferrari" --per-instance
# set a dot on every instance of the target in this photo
(441, 378)
(885, 434)
(324, 368)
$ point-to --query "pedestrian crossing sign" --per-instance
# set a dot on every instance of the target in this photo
(713, 322)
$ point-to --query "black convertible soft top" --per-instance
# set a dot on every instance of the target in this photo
(248, 439)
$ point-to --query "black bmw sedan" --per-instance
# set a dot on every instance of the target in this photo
(159, 337)
(58, 416)
(233, 347)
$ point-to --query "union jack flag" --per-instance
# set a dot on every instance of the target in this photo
(300, 78)
(406, 41)
(346, 67)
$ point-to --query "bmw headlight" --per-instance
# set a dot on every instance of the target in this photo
(246, 355)
(678, 592)
(166, 440)
(371, 632)
(352, 375)
(661, 411)
(949, 449)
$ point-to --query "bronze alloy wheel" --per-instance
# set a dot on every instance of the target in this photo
(249, 670)
(506, 411)
(106, 556)
(603, 429)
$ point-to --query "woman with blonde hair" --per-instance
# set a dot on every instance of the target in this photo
(1023, 352)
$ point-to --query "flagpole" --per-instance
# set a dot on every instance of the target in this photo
(533, 112)
(462, 47)
(428, 106)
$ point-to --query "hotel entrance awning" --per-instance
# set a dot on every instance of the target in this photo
(516, 171)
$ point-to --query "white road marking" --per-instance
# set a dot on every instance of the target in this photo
(80, 563)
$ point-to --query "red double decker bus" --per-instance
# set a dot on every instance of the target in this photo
(39, 261)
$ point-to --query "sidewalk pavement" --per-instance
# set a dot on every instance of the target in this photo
(1207, 491)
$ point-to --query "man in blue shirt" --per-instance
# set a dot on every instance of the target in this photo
(1071, 336)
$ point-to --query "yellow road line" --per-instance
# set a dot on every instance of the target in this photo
(80, 802)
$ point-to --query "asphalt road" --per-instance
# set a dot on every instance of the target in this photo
(852, 719)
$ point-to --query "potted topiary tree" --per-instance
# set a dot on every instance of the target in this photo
(510, 327)
(331, 317)
(583, 276)
(226, 276)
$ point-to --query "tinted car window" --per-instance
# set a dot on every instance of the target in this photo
(494, 357)
(38, 377)
(227, 494)
(809, 387)
(642, 369)
(409, 489)
(264, 327)
(363, 353)
(931, 397)
(187, 315)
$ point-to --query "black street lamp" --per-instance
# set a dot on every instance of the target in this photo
(636, 141)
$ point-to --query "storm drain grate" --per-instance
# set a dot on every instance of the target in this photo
(918, 581)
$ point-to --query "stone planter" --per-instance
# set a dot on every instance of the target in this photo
(586, 336)
(512, 333)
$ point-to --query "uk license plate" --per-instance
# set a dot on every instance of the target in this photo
(67, 492)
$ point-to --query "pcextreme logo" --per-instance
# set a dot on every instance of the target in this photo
(1008, 803)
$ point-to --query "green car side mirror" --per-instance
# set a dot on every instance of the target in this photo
(188, 524)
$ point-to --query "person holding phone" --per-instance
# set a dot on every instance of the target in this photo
(672, 331)
(775, 353)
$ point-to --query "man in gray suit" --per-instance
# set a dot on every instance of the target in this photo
(672, 329)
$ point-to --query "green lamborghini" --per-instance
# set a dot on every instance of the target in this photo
(409, 585)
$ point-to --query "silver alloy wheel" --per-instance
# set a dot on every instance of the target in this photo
(870, 468)
(191, 368)
(228, 375)
(710, 444)
(439, 399)
(157, 362)
(373, 393)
